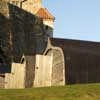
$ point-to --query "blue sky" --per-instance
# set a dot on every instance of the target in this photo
(76, 19)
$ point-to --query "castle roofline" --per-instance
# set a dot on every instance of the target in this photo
(43, 13)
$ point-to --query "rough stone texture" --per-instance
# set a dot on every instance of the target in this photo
(57, 76)
(16, 79)
(43, 71)
(22, 75)
(24, 31)
(4, 31)
(25, 34)
(57, 68)
(28, 39)
(29, 71)
(81, 58)
(2, 80)
(32, 6)
(4, 8)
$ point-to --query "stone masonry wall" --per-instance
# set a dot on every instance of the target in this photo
(27, 32)
(24, 31)
(30, 71)
(5, 31)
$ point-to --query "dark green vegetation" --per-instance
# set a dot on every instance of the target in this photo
(73, 92)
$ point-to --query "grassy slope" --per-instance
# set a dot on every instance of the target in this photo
(73, 92)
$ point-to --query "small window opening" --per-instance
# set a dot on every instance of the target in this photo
(22, 61)
(46, 27)
(1, 61)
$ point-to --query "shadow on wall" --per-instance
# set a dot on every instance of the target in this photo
(28, 37)
(4, 45)
(82, 60)
(25, 34)
(28, 33)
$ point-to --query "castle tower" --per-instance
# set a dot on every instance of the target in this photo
(35, 7)
(48, 20)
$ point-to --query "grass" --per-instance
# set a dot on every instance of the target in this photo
(70, 92)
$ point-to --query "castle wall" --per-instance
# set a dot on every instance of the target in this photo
(57, 68)
(58, 65)
(81, 59)
(27, 33)
(22, 74)
(4, 22)
(29, 71)
(15, 79)
(2, 80)
(43, 71)
(5, 40)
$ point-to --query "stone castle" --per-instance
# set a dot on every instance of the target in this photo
(25, 26)
(31, 57)
(25, 20)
